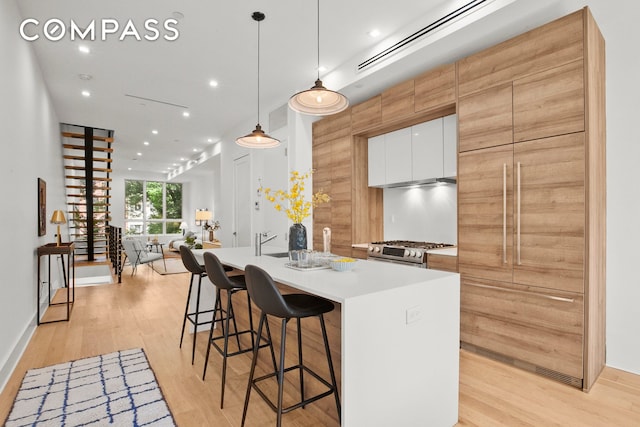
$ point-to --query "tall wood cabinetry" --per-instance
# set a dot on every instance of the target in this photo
(531, 200)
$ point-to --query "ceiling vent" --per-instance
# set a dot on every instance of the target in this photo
(420, 34)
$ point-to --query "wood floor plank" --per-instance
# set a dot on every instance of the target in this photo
(146, 311)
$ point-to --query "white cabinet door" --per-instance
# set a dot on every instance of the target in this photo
(450, 133)
(377, 162)
(397, 146)
(426, 146)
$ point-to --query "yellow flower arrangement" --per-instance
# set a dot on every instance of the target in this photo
(292, 202)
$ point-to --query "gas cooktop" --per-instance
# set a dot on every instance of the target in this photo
(412, 245)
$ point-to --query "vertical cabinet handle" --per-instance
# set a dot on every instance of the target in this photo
(518, 220)
(504, 213)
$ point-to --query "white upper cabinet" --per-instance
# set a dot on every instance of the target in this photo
(397, 146)
(419, 153)
(450, 146)
(377, 162)
(427, 150)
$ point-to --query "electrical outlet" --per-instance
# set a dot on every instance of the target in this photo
(414, 314)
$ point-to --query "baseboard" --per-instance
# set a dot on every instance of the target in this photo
(16, 353)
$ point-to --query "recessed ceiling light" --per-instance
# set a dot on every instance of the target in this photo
(195, 150)
(139, 154)
(146, 143)
(175, 164)
(186, 114)
(84, 49)
(322, 68)
(178, 15)
(155, 132)
(86, 93)
(209, 140)
(182, 159)
(374, 33)
(85, 76)
(128, 169)
(213, 83)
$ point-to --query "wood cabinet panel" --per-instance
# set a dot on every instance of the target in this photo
(538, 326)
(485, 119)
(442, 262)
(545, 47)
(435, 88)
(549, 103)
(550, 252)
(397, 102)
(485, 213)
(367, 114)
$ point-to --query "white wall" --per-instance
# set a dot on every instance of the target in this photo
(32, 146)
(427, 213)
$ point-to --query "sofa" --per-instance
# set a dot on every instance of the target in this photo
(174, 245)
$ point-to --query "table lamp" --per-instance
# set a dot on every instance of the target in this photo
(183, 227)
(203, 215)
(58, 218)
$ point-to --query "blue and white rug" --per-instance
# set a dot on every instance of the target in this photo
(117, 389)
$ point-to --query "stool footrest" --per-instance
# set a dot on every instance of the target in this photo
(303, 402)
(193, 321)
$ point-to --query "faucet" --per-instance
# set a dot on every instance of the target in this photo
(260, 242)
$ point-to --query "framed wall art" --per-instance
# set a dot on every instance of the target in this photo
(42, 207)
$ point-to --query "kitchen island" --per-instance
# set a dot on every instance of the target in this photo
(399, 336)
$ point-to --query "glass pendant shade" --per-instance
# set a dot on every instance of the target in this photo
(257, 139)
(318, 101)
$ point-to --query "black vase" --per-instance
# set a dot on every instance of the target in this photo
(297, 237)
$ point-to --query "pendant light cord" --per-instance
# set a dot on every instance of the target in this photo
(258, 72)
(318, 29)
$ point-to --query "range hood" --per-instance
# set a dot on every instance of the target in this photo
(420, 183)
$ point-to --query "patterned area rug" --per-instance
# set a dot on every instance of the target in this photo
(117, 388)
(174, 266)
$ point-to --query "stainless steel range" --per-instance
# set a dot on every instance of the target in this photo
(403, 251)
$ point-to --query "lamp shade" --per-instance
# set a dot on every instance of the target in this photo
(58, 217)
(203, 215)
(183, 226)
(318, 101)
(257, 139)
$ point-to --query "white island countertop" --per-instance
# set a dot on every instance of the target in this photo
(400, 336)
(366, 277)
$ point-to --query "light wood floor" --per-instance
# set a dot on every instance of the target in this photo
(146, 311)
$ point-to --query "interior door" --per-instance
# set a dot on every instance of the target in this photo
(485, 213)
(550, 220)
(242, 201)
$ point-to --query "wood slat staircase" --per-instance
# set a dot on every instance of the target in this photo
(88, 173)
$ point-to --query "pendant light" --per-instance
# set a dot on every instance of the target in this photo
(257, 138)
(318, 101)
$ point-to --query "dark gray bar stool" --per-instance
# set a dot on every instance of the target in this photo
(267, 297)
(191, 264)
(217, 273)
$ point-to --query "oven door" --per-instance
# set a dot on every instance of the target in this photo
(398, 261)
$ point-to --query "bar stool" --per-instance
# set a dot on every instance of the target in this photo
(267, 297)
(191, 264)
(217, 273)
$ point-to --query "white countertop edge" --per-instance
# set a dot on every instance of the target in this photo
(444, 251)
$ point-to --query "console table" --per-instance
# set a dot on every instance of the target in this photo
(68, 275)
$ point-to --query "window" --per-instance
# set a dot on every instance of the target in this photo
(152, 207)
